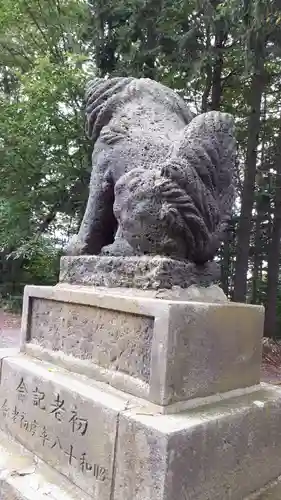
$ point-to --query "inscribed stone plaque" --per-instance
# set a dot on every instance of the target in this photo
(166, 351)
(58, 422)
(115, 340)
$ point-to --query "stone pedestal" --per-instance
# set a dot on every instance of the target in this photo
(126, 396)
(143, 272)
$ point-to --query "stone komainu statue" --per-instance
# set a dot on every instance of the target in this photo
(162, 180)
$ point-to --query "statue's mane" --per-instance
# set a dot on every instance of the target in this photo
(191, 210)
(104, 96)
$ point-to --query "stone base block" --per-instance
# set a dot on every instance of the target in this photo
(136, 272)
(23, 476)
(114, 447)
(65, 420)
(166, 351)
(216, 452)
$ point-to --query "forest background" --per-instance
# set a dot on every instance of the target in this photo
(219, 55)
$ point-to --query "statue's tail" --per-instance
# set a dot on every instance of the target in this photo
(101, 99)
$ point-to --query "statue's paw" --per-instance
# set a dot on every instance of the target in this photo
(75, 247)
(120, 248)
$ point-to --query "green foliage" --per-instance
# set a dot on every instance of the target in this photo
(44, 156)
(41, 143)
(37, 262)
(207, 50)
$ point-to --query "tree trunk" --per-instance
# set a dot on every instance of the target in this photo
(270, 325)
(214, 68)
(220, 40)
(244, 229)
(209, 75)
(261, 211)
(214, 77)
(225, 264)
(151, 12)
(257, 255)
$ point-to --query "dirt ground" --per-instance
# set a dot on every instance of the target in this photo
(9, 329)
(271, 367)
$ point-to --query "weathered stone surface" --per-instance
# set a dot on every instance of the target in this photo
(114, 340)
(23, 476)
(212, 294)
(212, 348)
(136, 272)
(7, 352)
(162, 181)
(189, 350)
(227, 450)
(63, 420)
(272, 491)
